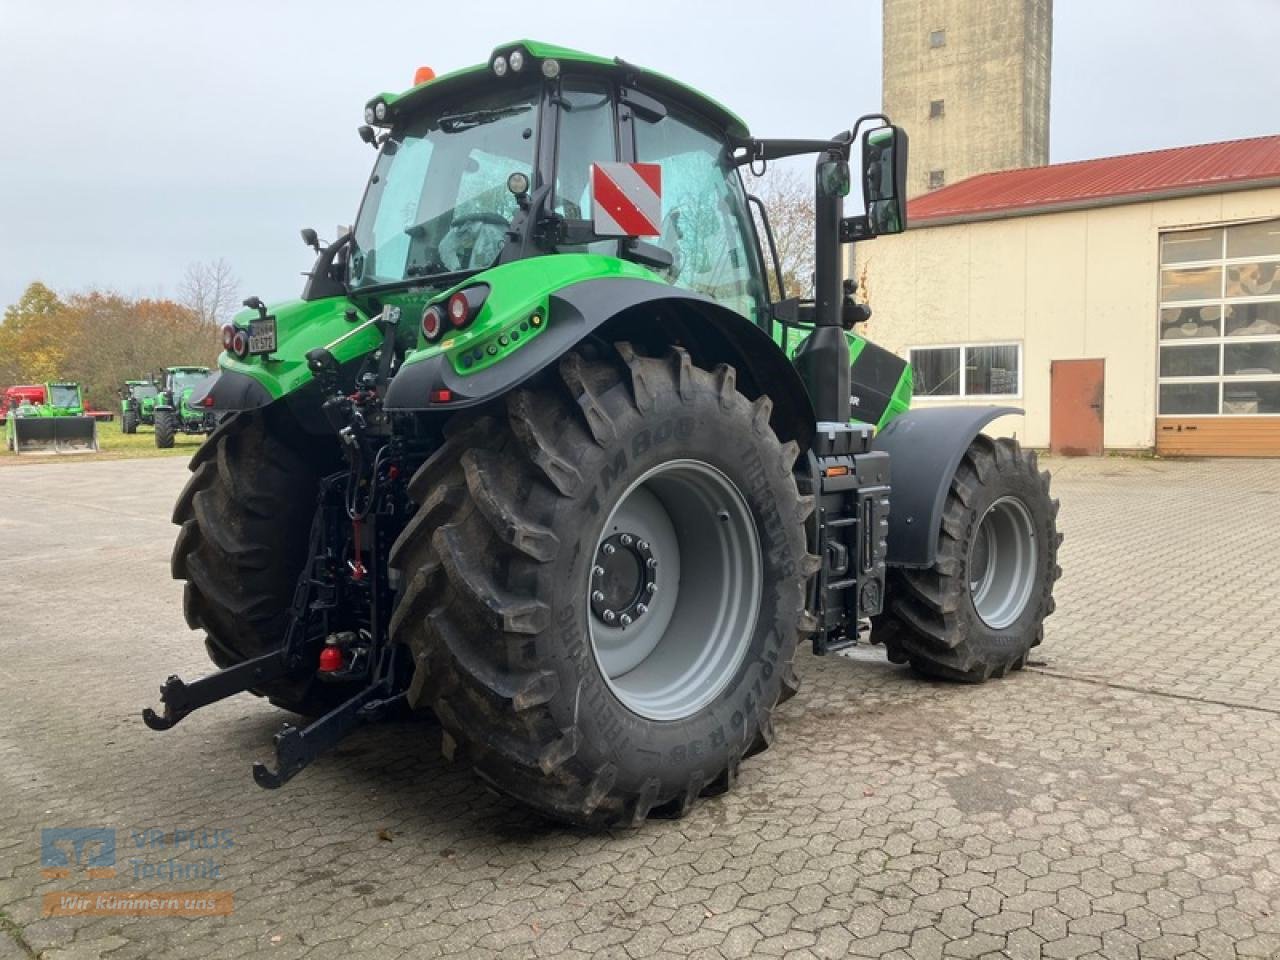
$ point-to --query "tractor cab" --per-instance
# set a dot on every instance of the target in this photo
(495, 164)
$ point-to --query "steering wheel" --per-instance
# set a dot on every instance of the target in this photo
(467, 240)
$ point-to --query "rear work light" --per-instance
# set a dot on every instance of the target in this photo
(465, 304)
(433, 323)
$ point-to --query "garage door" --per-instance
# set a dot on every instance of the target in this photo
(1219, 322)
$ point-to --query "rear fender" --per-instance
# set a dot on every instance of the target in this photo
(925, 448)
(650, 314)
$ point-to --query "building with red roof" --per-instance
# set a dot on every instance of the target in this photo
(1124, 303)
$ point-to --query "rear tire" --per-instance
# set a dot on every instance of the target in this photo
(129, 422)
(980, 609)
(499, 565)
(166, 428)
(246, 520)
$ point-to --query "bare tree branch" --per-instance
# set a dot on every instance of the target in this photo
(788, 197)
(211, 291)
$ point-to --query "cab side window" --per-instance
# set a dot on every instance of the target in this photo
(587, 136)
(705, 224)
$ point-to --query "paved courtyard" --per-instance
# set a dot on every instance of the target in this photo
(1120, 798)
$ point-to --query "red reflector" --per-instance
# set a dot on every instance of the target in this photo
(441, 395)
(330, 660)
(207, 401)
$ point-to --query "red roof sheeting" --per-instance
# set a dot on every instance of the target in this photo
(1131, 178)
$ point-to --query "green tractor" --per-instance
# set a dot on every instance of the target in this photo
(59, 425)
(173, 411)
(544, 452)
(138, 404)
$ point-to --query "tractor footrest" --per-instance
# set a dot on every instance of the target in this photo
(181, 698)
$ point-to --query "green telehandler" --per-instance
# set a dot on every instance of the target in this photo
(59, 425)
(544, 451)
(173, 411)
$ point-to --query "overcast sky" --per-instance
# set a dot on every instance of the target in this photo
(140, 136)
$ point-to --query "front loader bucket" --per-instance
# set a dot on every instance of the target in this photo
(55, 434)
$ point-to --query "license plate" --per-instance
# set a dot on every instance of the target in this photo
(262, 336)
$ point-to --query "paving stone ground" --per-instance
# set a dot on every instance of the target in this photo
(1119, 799)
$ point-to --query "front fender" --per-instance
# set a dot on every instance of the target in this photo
(925, 448)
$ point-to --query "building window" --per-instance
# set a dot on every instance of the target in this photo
(937, 178)
(937, 38)
(970, 370)
(937, 108)
(1219, 321)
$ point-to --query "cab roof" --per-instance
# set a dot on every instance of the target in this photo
(535, 54)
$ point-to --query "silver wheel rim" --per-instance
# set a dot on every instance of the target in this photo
(674, 590)
(1002, 563)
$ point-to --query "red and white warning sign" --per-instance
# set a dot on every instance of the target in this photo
(626, 199)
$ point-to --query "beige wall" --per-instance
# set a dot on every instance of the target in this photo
(992, 74)
(1066, 285)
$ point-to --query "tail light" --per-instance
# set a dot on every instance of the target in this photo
(240, 343)
(228, 332)
(465, 304)
(433, 323)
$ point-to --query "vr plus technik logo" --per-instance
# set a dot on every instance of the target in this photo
(68, 850)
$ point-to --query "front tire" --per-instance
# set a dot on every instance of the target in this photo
(980, 609)
(166, 428)
(129, 422)
(543, 698)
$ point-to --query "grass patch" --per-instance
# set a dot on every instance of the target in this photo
(113, 445)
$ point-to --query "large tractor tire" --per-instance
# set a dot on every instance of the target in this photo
(246, 521)
(166, 429)
(980, 609)
(129, 422)
(603, 586)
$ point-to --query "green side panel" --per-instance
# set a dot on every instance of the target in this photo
(302, 326)
(514, 312)
(790, 338)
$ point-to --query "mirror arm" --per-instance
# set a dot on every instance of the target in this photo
(755, 151)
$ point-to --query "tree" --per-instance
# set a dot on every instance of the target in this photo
(99, 339)
(32, 341)
(210, 291)
(788, 196)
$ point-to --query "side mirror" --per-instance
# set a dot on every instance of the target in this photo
(884, 179)
(311, 238)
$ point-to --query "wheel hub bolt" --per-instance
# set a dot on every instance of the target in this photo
(625, 620)
(610, 616)
(641, 609)
(598, 596)
(643, 545)
(609, 549)
(651, 587)
(626, 539)
(652, 563)
(597, 571)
